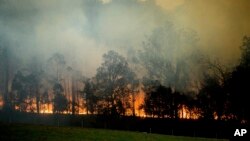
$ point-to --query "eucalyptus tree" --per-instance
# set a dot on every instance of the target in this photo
(55, 69)
(112, 79)
(60, 102)
(89, 95)
(238, 84)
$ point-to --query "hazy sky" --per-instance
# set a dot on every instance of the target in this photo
(220, 24)
(83, 30)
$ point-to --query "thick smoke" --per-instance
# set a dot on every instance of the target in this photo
(83, 30)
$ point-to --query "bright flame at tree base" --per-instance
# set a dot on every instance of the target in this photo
(184, 112)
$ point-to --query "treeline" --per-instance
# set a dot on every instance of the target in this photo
(64, 90)
(221, 94)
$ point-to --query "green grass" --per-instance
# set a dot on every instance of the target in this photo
(21, 132)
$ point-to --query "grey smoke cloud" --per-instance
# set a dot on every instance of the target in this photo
(83, 30)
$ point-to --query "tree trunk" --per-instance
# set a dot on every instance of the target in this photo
(37, 101)
(73, 97)
(6, 98)
(133, 100)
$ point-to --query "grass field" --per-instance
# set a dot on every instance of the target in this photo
(20, 132)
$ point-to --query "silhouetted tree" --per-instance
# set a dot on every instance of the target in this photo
(35, 80)
(5, 76)
(210, 98)
(112, 80)
(19, 91)
(45, 99)
(24, 91)
(75, 76)
(213, 98)
(134, 91)
(161, 102)
(60, 102)
(239, 84)
(32, 83)
(89, 95)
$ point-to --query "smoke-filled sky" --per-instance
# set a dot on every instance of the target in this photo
(82, 30)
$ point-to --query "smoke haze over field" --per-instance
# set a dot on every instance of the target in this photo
(83, 30)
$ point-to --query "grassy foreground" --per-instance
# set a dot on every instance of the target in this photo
(22, 132)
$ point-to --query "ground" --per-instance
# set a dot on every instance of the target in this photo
(22, 132)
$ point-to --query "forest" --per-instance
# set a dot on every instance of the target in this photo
(59, 89)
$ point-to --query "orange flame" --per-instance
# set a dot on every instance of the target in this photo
(186, 113)
(1, 102)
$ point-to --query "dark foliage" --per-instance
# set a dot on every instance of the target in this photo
(60, 102)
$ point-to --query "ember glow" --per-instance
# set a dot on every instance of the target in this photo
(1, 102)
(30, 107)
(139, 99)
(186, 113)
(46, 108)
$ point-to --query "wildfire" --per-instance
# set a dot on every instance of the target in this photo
(139, 99)
(186, 113)
(1, 102)
(46, 108)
